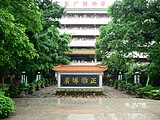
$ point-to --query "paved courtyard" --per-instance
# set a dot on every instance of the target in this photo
(116, 105)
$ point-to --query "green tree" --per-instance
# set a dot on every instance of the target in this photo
(134, 28)
(50, 45)
(16, 18)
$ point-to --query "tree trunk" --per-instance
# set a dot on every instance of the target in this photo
(2, 83)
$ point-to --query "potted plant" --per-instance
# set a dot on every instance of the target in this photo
(121, 84)
(38, 84)
(47, 83)
(128, 88)
(116, 84)
(32, 87)
(108, 82)
(43, 81)
(23, 88)
(135, 87)
(111, 81)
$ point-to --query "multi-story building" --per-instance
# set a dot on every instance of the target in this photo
(83, 19)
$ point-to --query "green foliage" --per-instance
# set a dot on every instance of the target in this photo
(39, 82)
(16, 19)
(14, 42)
(121, 83)
(135, 87)
(111, 82)
(133, 67)
(13, 90)
(23, 87)
(116, 62)
(6, 106)
(156, 95)
(30, 37)
(134, 28)
(50, 45)
(128, 86)
(32, 85)
(116, 84)
(145, 89)
(154, 57)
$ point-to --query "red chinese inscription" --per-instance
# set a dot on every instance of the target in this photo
(66, 3)
(103, 3)
(75, 3)
(85, 3)
(94, 3)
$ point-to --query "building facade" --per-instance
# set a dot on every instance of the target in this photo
(83, 19)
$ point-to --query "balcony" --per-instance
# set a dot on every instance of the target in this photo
(84, 43)
(92, 32)
(82, 62)
(85, 21)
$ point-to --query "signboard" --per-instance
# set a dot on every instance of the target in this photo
(86, 3)
(79, 80)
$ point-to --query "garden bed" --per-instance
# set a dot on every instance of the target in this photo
(79, 92)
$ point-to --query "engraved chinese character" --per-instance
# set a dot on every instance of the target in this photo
(93, 81)
(84, 80)
(66, 80)
(75, 3)
(94, 3)
(85, 3)
(75, 80)
(66, 3)
(103, 3)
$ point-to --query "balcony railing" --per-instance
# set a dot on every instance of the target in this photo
(82, 62)
(82, 43)
(91, 21)
(80, 32)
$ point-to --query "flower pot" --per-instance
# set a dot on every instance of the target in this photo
(139, 95)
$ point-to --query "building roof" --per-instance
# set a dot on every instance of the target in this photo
(79, 68)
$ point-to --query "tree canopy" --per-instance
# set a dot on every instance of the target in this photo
(29, 36)
(17, 17)
(134, 27)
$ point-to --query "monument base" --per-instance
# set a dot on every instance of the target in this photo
(79, 92)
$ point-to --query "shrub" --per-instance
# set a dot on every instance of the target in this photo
(39, 82)
(13, 90)
(157, 95)
(32, 85)
(154, 94)
(135, 87)
(6, 106)
(23, 87)
(121, 83)
(145, 89)
(111, 81)
(128, 86)
(116, 84)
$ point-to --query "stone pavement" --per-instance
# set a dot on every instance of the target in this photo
(44, 105)
(49, 92)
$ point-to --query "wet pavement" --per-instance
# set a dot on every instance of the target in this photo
(44, 105)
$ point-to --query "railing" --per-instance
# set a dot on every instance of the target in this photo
(85, 21)
(82, 43)
(82, 62)
(80, 32)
